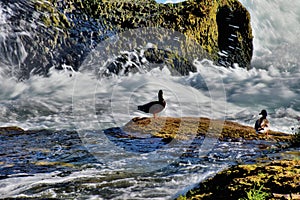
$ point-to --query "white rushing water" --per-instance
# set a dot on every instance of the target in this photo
(272, 84)
(80, 101)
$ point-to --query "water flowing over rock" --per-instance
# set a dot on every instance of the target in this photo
(50, 33)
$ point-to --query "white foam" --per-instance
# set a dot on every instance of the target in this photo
(212, 92)
(276, 27)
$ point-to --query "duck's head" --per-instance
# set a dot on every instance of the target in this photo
(264, 113)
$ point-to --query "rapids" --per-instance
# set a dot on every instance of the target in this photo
(73, 107)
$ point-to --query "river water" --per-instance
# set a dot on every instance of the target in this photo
(73, 158)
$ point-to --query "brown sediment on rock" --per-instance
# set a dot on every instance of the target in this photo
(4, 130)
(11, 130)
(180, 128)
(15, 130)
(189, 127)
(278, 179)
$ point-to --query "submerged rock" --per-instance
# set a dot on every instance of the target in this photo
(31, 152)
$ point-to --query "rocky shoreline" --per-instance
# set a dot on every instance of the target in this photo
(276, 176)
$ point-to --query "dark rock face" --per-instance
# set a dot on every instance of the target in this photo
(232, 26)
(65, 32)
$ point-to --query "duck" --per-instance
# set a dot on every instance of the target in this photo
(262, 124)
(154, 107)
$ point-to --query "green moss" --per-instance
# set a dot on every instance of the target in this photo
(195, 19)
(50, 15)
(181, 197)
(260, 181)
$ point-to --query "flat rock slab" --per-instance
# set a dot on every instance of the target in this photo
(189, 127)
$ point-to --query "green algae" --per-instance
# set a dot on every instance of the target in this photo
(196, 19)
(50, 15)
(277, 179)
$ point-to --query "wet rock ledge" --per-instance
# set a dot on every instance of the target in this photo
(190, 127)
(276, 179)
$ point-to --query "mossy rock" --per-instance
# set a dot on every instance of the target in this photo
(278, 179)
(210, 23)
(217, 26)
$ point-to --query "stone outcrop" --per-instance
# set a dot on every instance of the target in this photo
(66, 31)
(276, 180)
(218, 26)
(189, 127)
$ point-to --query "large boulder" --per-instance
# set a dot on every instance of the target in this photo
(66, 31)
(222, 28)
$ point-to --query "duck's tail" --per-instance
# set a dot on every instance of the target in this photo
(142, 108)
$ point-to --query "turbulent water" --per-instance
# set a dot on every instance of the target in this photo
(68, 101)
